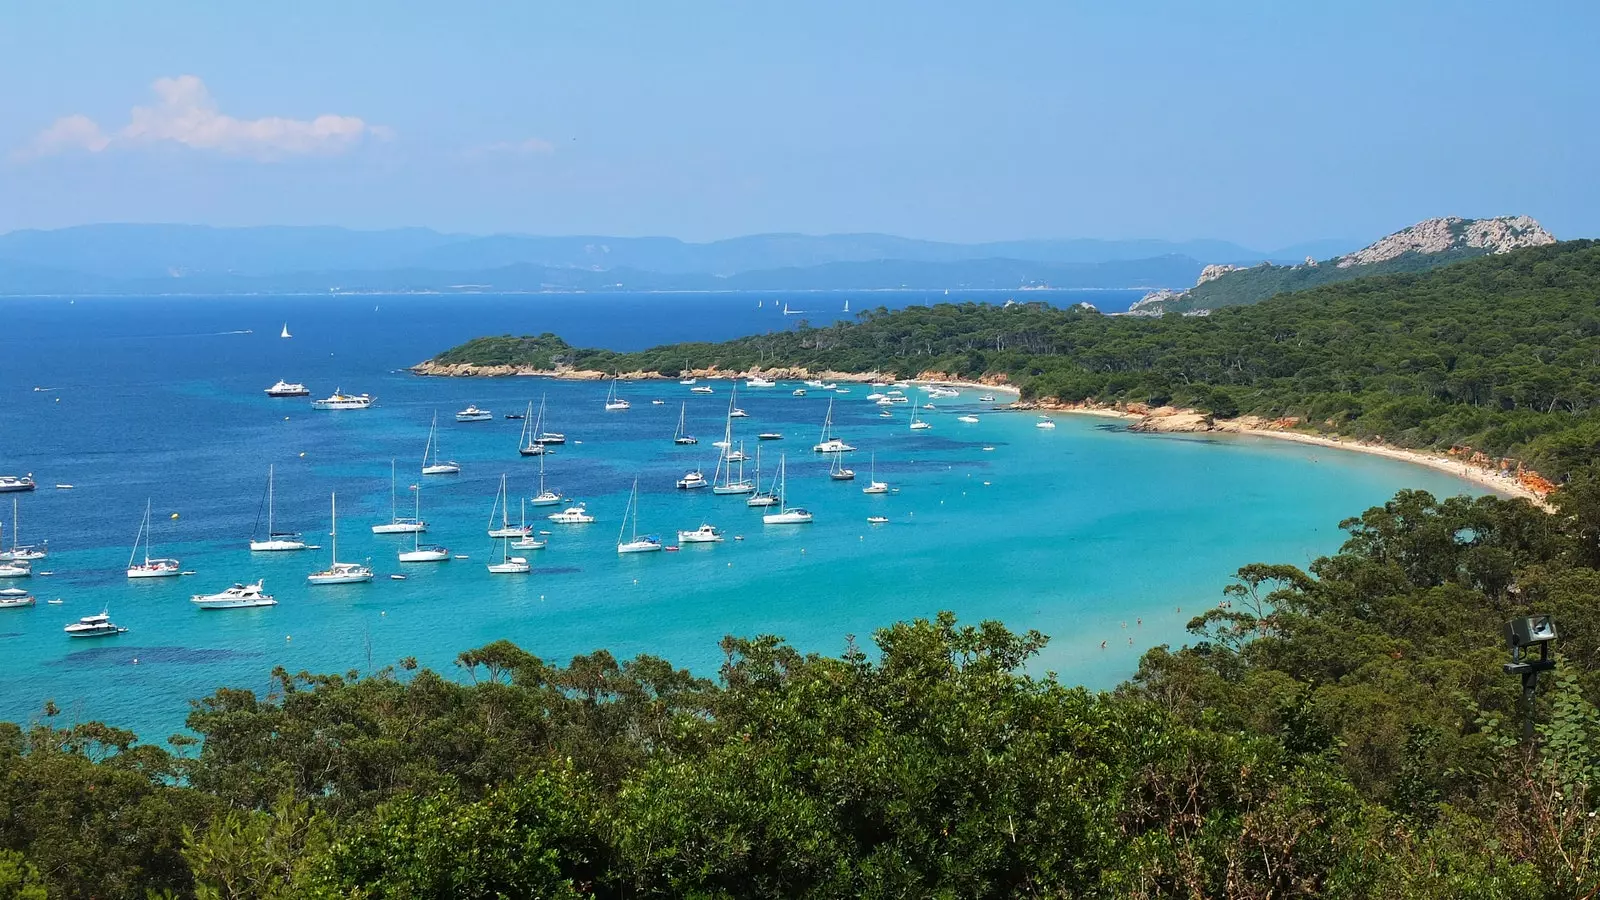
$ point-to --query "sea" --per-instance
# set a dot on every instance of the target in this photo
(1107, 541)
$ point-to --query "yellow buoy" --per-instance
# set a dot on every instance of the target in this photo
(174, 515)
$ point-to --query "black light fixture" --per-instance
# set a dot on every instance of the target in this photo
(1522, 635)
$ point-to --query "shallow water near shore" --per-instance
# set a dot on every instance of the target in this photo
(1085, 532)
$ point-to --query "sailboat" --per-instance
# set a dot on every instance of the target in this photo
(688, 375)
(761, 498)
(285, 332)
(874, 486)
(613, 402)
(635, 544)
(724, 482)
(528, 444)
(433, 466)
(508, 564)
(838, 472)
(419, 553)
(847, 306)
(786, 515)
(527, 541)
(339, 572)
(546, 438)
(275, 540)
(682, 435)
(19, 550)
(546, 496)
(152, 567)
(397, 523)
(828, 443)
(916, 423)
(506, 529)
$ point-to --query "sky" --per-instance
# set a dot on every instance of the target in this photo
(1265, 123)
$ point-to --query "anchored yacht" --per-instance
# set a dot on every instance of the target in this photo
(240, 596)
(341, 400)
(288, 389)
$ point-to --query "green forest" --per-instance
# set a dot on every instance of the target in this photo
(1342, 731)
(1498, 353)
(1257, 283)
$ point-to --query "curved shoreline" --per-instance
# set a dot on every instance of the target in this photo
(1524, 485)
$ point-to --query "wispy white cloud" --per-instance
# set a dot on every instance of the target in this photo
(185, 113)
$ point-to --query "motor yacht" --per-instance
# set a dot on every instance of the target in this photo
(737, 413)
(986, 398)
(473, 414)
(756, 381)
(970, 420)
(10, 483)
(877, 520)
(705, 534)
(341, 400)
(94, 626)
(799, 392)
(572, 515)
(529, 543)
(833, 445)
(16, 568)
(702, 389)
(770, 436)
(1044, 423)
(15, 598)
(240, 596)
(288, 389)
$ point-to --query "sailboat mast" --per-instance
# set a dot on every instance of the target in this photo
(333, 502)
(269, 503)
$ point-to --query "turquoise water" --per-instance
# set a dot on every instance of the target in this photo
(1080, 532)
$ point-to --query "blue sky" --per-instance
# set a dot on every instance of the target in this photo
(1265, 123)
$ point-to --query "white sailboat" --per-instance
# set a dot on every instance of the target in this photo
(508, 564)
(760, 498)
(152, 567)
(682, 436)
(397, 523)
(528, 442)
(828, 442)
(432, 466)
(615, 403)
(285, 333)
(419, 553)
(506, 529)
(847, 306)
(275, 541)
(725, 482)
(688, 377)
(838, 472)
(916, 423)
(19, 550)
(786, 515)
(635, 544)
(546, 497)
(528, 541)
(874, 486)
(338, 572)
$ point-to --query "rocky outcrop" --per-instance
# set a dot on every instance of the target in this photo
(1213, 272)
(1498, 235)
(1151, 304)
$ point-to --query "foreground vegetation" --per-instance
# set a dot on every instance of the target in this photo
(1342, 732)
(1499, 353)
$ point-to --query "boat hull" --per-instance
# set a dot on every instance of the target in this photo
(639, 547)
(400, 528)
(420, 556)
(203, 603)
(725, 490)
(152, 573)
(516, 565)
(277, 546)
(110, 631)
(787, 518)
(338, 579)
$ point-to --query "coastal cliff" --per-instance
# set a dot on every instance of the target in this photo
(1420, 247)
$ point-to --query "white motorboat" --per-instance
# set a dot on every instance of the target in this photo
(529, 543)
(874, 486)
(473, 414)
(813, 382)
(877, 520)
(397, 523)
(1044, 423)
(682, 436)
(786, 515)
(431, 464)
(827, 442)
(970, 420)
(94, 626)
(19, 568)
(11, 483)
(770, 436)
(705, 534)
(875, 396)
(15, 598)
(886, 415)
(572, 515)
(756, 381)
(275, 541)
(19, 550)
(341, 400)
(693, 481)
(240, 596)
(339, 572)
(737, 455)
(799, 392)
(152, 567)
(635, 544)
(738, 413)
(506, 529)
(986, 398)
(418, 552)
(838, 472)
(615, 403)
(702, 389)
(545, 497)
(288, 389)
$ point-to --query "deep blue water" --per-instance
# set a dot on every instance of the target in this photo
(1081, 532)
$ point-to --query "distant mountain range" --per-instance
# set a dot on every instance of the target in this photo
(136, 259)
(1426, 245)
